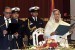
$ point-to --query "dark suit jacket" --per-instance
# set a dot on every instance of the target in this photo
(39, 23)
(21, 27)
(2, 22)
(19, 40)
(4, 43)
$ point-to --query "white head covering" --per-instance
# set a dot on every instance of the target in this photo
(52, 19)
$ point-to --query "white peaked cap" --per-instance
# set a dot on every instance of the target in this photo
(15, 9)
(34, 8)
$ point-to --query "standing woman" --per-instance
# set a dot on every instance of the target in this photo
(54, 21)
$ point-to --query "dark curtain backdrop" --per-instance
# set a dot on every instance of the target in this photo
(62, 5)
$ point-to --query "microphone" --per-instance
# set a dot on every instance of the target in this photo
(62, 38)
(10, 37)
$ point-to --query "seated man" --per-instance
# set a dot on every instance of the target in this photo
(17, 42)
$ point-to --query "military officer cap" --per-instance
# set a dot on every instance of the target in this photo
(15, 9)
(34, 9)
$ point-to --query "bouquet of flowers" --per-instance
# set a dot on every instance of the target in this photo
(50, 43)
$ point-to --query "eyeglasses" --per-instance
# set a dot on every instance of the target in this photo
(7, 12)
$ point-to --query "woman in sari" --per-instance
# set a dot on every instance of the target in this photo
(51, 26)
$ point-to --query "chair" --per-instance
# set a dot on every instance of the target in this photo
(38, 36)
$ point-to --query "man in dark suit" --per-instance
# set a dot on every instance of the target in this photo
(19, 33)
(4, 22)
(33, 23)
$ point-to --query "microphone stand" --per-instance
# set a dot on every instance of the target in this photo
(64, 41)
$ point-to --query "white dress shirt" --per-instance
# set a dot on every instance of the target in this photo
(35, 18)
(6, 22)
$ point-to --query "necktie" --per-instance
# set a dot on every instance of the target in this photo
(35, 18)
(7, 23)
